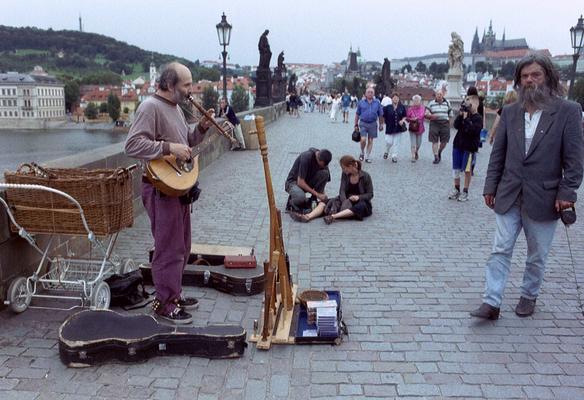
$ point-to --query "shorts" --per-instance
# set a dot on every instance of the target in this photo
(346, 109)
(463, 160)
(439, 131)
(368, 129)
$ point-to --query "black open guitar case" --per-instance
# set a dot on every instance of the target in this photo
(93, 337)
(206, 268)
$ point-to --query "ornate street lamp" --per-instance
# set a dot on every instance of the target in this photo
(577, 36)
(224, 35)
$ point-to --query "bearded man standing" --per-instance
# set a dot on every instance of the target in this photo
(534, 172)
(160, 129)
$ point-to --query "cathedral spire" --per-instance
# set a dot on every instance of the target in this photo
(475, 47)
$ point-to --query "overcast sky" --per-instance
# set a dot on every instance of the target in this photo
(317, 31)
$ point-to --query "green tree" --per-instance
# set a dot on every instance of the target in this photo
(113, 106)
(102, 108)
(358, 87)
(126, 110)
(71, 94)
(507, 70)
(578, 94)
(239, 99)
(339, 85)
(210, 97)
(209, 74)
(91, 111)
(406, 68)
(421, 67)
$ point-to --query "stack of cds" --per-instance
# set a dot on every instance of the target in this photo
(325, 315)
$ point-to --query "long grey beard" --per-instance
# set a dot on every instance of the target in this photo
(537, 98)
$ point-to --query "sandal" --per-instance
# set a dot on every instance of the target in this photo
(298, 217)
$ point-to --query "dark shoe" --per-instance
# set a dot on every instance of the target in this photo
(417, 156)
(298, 217)
(188, 303)
(393, 159)
(177, 315)
(525, 307)
(368, 160)
(436, 160)
(486, 311)
(385, 155)
(361, 157)
(440, 156)
(328, 219)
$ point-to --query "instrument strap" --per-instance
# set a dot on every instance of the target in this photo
(574, 270)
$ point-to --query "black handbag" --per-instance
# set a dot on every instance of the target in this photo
(356, 136)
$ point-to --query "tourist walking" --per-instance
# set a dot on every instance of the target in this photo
(369, 112)
(335, 107)
(438, 111)
(394, 116)
(345, 104)
(534, 174)
(415, 117)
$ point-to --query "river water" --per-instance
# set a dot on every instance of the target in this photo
(20, 146)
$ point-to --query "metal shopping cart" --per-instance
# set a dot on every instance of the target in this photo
(39, 209)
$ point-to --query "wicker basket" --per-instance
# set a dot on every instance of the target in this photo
(312, 295)
(104, 194)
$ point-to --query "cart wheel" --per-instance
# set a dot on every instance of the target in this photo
(18, 295)
(129, 266)
(101, 296)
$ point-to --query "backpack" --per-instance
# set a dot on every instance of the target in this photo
(127, 289)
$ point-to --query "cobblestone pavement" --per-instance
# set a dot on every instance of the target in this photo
(409, 276)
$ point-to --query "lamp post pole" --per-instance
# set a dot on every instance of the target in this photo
(577, 37)
(573, 76)
(224, 53)
(224, 35)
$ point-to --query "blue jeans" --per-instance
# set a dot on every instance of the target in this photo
(539, 235)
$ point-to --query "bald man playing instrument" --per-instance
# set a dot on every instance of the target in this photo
(160, 129)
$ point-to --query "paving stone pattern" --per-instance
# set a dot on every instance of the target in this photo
(409, 276)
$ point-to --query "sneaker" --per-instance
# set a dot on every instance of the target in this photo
(454, 195)
(361, 157)
(177, 316)
(393, 159)
(463, 196)
(368, 160)
(385, 155)
(187, 303)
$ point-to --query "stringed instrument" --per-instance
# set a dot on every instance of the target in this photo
(175, 177)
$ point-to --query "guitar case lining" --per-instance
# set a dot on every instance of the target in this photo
(210, 271)
(93, 337)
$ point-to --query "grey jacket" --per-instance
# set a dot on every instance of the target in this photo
(365, 186)
(552, 168)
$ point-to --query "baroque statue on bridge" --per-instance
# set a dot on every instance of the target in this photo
(456, 52)
(265, 52)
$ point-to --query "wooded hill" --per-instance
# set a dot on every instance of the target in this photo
(86, 57)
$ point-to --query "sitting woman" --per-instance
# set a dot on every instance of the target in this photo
(354, 199)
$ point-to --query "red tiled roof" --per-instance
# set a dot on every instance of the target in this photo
(517, 53)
